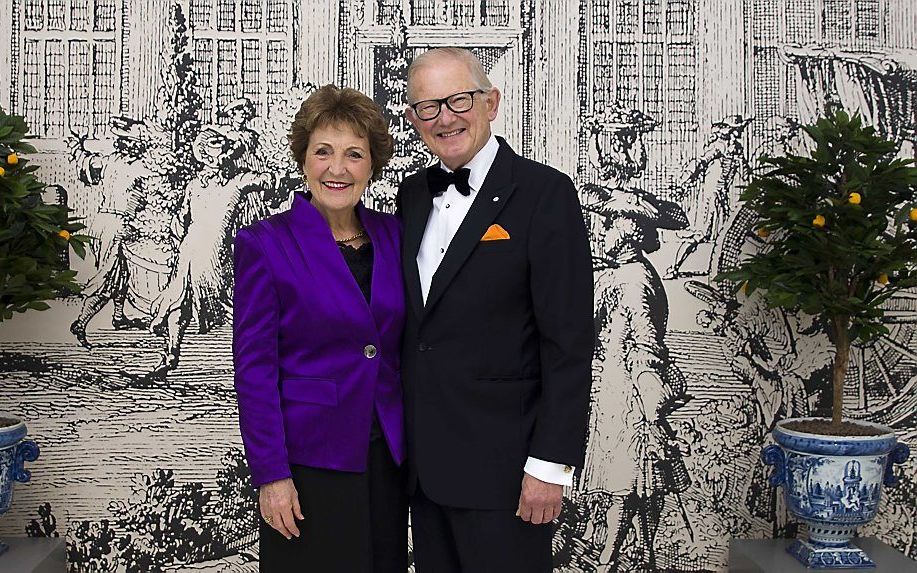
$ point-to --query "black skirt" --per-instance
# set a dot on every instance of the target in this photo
(354, 522)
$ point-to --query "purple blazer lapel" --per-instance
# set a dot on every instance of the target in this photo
(322, 257)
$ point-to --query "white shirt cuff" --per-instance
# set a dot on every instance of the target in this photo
(549, 471)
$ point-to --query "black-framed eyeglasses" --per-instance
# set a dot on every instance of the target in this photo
(429, 109)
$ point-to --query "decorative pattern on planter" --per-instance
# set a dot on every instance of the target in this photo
(816, 557)
(14, 452)
(773, 456)
(899, 455)
(834, 485)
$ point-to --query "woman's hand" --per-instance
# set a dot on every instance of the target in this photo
(279, 504)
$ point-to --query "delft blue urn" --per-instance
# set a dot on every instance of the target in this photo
(15, 450)
(833, 484)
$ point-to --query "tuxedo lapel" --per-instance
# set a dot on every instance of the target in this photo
(323, 258)
(416, 206)
(496, 190)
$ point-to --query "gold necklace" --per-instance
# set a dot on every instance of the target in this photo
(359, 235)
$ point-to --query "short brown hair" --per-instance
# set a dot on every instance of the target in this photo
(331, 105)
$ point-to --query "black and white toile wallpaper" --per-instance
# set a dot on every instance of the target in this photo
(163, 123)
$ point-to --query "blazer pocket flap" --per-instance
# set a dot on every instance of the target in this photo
(313, 390)
(509, 380)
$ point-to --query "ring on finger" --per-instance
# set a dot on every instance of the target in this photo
(268, 519)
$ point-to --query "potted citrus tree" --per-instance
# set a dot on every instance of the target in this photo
(34, 236)
(840, 239)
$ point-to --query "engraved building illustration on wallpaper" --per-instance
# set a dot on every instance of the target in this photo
(165, 123)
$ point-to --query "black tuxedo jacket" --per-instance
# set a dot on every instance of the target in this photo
(497, 365)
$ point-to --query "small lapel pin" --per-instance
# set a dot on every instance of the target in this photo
(496, 199)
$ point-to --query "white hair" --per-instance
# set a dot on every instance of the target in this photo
(430, 57)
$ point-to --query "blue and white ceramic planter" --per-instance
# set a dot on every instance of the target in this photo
(14, 452)
(833, 484)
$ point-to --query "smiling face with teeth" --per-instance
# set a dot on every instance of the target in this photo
(453, 137)
(338, 166)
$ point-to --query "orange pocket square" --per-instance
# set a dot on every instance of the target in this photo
(495, 233)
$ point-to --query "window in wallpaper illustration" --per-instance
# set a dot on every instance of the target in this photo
(242, 48)
(66, 64)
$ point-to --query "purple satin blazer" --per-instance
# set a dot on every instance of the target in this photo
(312, 359)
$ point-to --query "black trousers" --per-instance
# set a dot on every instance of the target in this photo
(354, 522)
(454, 540)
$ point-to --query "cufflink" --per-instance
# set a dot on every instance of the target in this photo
(568, 469)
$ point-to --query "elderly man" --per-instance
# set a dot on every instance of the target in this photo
(499, 333)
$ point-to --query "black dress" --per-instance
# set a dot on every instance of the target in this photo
(354, 522)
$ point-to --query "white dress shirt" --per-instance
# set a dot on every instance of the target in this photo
(447, 214)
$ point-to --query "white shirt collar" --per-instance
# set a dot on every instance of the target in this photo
(480, 164)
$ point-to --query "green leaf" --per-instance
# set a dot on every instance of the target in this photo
(24, 147)
(79, 249)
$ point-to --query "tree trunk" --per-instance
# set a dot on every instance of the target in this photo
(841, 362)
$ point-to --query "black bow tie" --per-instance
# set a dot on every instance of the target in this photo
(438, 180)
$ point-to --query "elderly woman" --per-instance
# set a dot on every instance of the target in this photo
(318, 314)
